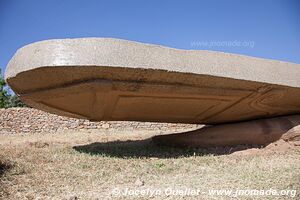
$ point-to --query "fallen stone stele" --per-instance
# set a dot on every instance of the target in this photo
(112, 79)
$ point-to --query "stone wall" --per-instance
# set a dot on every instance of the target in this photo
(25, 120)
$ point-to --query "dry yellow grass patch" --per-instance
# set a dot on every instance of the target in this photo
(90, 165)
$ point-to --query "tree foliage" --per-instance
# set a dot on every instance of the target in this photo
(3, 92)
(6, 99)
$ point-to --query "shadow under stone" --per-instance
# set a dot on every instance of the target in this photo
(215, 140)
(4, 166)
(147, 149)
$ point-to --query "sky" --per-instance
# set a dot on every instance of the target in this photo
(260, 28)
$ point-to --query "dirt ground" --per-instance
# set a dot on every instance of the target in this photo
(127, 165)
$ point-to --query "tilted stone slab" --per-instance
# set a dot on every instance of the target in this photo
(253, 132)
(113, 79)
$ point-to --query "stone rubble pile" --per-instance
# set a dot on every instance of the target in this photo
(29, 120)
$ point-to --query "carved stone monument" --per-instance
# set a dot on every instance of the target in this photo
(113, 79)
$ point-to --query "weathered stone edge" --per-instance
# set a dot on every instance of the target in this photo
(111, 52)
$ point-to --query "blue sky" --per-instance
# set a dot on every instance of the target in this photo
(261, 28)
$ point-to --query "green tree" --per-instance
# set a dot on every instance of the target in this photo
(3, 92)
(8, 100)
(14, 101)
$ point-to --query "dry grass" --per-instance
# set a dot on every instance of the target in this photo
(89, 165)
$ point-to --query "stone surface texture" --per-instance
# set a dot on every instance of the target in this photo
(116, 80)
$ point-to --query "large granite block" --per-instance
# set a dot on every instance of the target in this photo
(113, 79)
